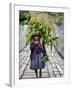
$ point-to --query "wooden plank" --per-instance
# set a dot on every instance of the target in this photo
(29, 75)
(22, 69)
(51, 72)
(22, 62)
(54, 67)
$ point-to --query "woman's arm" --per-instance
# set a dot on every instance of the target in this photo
(32, 46)
(41, 47)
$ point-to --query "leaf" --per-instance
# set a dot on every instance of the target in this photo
(45, 58)
(55, 38)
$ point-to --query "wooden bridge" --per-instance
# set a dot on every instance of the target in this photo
(54, 67)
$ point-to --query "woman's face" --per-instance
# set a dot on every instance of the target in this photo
(36, 38)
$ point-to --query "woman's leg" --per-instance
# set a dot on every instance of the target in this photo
(36, 72)
(40, 73)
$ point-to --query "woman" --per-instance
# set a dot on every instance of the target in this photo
(36, 55)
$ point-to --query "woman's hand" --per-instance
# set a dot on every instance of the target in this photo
(39, 45)
(36, 42)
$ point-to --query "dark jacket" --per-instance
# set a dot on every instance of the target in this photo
(34, 46)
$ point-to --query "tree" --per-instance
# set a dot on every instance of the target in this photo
(24, 16)
(58, 18)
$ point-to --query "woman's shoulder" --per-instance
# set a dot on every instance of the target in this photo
(32, 43)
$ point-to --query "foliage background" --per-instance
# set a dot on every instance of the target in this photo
(45, 24)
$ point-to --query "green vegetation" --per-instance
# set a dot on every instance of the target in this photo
(24, 16)
(57, 17)
(43, 23)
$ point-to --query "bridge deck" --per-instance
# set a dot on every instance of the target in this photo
(54, 67)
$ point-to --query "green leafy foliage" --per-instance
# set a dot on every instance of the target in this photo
(24, 16)
(58, 18)
(44, 24)
(45, 58)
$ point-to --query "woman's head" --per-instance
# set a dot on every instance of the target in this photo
(36, 37)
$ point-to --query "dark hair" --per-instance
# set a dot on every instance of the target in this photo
(36, 34)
